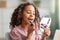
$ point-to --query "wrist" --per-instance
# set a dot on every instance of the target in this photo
(29, 35)
(44, 38)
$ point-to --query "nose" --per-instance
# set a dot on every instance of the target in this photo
(31, 15)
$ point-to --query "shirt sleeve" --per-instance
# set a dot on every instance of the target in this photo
(38, 36)
(14, 35)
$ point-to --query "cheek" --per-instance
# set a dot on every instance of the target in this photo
(25, 16)
(34, 17)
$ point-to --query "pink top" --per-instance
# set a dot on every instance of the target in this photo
(18, 33)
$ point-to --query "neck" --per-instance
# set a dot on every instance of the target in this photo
(24, 25)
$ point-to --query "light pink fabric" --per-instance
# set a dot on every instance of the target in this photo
(18, 33)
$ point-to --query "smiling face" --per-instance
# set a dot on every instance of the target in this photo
(29, 14)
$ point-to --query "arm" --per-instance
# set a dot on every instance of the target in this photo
(31, 36)
(31, 32)
(44, 38)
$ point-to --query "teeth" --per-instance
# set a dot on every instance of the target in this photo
(30, 20)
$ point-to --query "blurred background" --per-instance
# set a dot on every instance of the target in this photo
(47, 8)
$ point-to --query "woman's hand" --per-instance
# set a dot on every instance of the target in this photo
(47, 32)
(31, 28)
(30, 31)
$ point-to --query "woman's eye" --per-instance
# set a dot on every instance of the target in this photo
(28, 12)
(33, 13)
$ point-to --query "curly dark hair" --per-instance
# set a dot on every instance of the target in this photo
(16, 18)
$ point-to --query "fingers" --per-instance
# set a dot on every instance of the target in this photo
(47, 31)
(31, 28)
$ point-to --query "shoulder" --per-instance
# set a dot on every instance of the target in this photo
(15, 30)
(14, 34)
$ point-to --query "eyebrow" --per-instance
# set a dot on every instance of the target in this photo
(30, 10)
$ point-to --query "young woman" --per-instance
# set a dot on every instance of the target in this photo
(25, 22)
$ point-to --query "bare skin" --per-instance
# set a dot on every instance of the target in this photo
(29, 15)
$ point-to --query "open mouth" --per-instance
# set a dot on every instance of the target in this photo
(30, 20)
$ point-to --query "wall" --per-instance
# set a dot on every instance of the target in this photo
(5, 15)
(59, 14)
